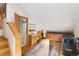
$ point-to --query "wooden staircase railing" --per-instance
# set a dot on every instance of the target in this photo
(17, 36)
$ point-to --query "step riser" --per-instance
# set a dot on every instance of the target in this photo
(3, 44)
(4, 47)
(4, 52)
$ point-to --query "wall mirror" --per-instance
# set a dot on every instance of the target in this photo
(21, 24)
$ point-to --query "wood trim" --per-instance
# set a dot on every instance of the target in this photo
(71, 33)
(27, 30)
(14, 30)
(20, 15)
(56, 43)
(17, 36)
(17, 22)
(0, 22)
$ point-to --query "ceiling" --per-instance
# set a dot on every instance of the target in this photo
(53, 16)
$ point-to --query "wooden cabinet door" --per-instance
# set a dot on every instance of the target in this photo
(58, 38)
(55, 43)
(54, 37)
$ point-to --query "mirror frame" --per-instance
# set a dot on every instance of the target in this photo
(17, 24)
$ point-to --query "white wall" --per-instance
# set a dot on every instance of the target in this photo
(38, 26)
(11, 9)
(15, 8)
(76, 31)
(53, 16)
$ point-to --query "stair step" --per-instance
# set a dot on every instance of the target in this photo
(4, 52)
(3, 40)
(8, 54)
(3, 43)
(4, 47)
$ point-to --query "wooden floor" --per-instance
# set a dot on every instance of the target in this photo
(4, 47)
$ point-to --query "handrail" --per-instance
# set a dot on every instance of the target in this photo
(17, 36)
